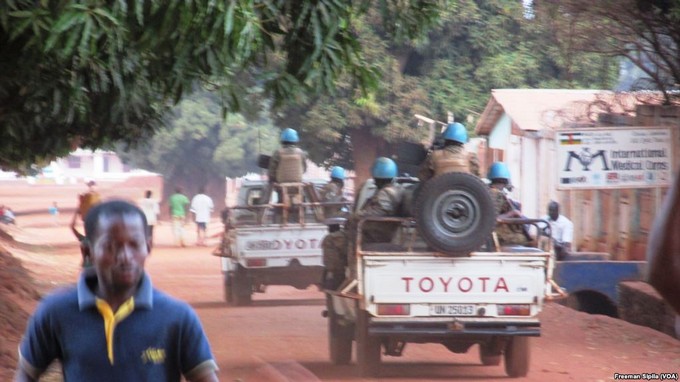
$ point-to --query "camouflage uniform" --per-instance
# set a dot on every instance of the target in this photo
(331, 193)
(334, 247)
(287, 164)
(452, 158)
(508, 234)
(385, 202)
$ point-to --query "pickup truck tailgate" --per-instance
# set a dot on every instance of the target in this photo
(280, 245)
(443, 286)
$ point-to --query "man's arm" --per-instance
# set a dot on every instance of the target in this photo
(473, 161)
(567, 234)
(22, 376)
(211, 377)
(426, 172)
(78, 235)
(663, 248)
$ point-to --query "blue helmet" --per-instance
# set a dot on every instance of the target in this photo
(290, 136)
(498, 170)
(455, 132)
(338, 173)
(384, 168)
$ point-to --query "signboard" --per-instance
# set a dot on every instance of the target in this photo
(613, 158)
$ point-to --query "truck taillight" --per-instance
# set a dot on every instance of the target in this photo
(514, 310)
(394, 309)
(256, 262)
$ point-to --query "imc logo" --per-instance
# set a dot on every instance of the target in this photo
(585, 157)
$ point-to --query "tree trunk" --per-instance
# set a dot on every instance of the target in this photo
(364, 152)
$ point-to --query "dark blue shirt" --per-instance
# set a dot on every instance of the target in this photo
(160, 340)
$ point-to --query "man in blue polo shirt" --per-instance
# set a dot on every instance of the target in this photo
(114, 326)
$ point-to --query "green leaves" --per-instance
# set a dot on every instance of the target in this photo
(200, 145)
(90, 73)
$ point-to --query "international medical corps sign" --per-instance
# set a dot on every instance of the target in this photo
(593, 158)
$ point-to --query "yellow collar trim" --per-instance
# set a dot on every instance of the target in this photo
(111, 319)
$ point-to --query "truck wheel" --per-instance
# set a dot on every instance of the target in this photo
(227, 289)
(517, 357)
(455, 213)
(368, 348)
(241, 290)
(339, 339)
(488, 357)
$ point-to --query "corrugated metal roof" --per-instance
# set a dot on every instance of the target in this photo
(538, 109)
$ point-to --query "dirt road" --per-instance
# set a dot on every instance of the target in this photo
(284, 329)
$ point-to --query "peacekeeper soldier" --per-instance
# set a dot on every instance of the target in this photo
(334, 247)
(508, 234)
(286, 165)
(452, 157)
(332, 192)
(289, 162)
(384, 202)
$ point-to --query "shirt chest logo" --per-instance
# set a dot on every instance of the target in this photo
(153, 355)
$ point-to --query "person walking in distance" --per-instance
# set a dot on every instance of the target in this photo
(86, 201)
(54, 212)
(178, 213)
(151, 209)
(114, 325)
(202, 206)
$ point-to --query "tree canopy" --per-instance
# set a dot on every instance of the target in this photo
(90, 74)
(645, 32)
(478, 46)
(200, 146)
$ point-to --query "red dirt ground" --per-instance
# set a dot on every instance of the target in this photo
(40, 255)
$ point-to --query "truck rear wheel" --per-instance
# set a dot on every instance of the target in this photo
(227, 289)
(368, 348)
(454, 213)
(488, 357)
(339, 338)
(241, 288)
(517, 357)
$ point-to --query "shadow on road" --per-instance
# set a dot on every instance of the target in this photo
(259, 303)
(208, 304)
(289, 302)
(405, 370)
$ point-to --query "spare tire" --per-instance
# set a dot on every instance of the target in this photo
(454, 213)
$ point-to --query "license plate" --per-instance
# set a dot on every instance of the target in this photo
(452, 310)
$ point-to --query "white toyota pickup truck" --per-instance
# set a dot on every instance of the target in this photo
(437, 283)
(263, 250)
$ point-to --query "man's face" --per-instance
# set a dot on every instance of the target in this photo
(553, 212)
(119, 251)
